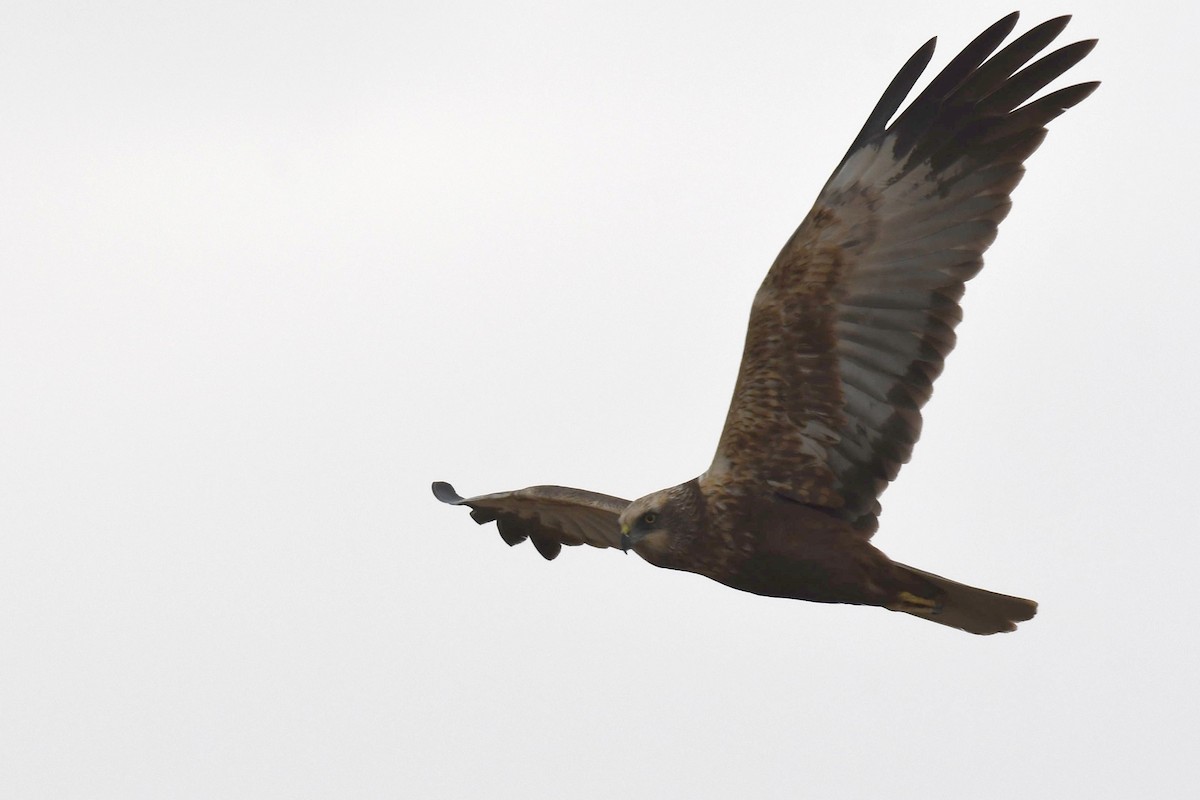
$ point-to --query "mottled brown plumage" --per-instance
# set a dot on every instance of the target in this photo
(846, 335)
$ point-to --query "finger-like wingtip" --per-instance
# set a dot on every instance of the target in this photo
(445, 492)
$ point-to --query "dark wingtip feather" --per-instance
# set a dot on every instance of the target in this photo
(483, 516)
(1083, 91)
(511, 530)
(445, 492)
(1068, 97)
(1000, 67)
(1038, 113)
(547, 547)
(919, 115)
(1035, 77)
(892, 98)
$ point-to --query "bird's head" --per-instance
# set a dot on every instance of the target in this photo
(659, 523)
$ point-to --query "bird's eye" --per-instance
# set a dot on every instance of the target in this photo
(649, 517)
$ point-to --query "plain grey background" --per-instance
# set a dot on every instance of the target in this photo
(268, 269)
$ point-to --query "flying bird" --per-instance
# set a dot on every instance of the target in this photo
(846, 335)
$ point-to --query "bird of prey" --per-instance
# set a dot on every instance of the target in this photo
(846, 335)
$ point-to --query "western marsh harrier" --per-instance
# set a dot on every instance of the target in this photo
(846, 336)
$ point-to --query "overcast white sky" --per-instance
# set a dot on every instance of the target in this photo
(268, 269)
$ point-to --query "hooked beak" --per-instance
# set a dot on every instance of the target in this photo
(626, 541)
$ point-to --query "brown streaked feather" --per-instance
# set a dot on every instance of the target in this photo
(856, 316)
(549, 516)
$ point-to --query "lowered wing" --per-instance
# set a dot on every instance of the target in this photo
(549, 516)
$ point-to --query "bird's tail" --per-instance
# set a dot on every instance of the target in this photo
(964, 607)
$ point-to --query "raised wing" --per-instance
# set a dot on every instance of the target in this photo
(550, 516)
(857, 314)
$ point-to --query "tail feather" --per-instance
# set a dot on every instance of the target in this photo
(967, 608)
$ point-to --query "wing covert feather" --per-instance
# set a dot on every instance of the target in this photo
(855, 318)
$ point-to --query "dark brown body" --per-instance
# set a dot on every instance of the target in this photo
(774, 546)
(822, 559)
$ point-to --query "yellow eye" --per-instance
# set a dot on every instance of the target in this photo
(649, 517)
